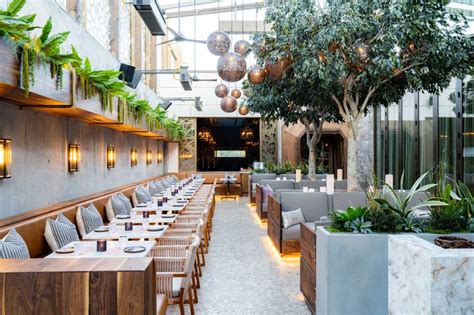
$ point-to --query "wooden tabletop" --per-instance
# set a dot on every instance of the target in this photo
(137, 233)
(88, 249)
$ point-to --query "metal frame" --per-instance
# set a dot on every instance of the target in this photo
(459, 141)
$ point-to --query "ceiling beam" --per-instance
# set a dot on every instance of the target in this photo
(215, 10)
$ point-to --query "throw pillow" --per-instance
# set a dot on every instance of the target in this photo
(142, 195)
(126, 202)
(12, 246)
(291, 218)
(60, 232)
(266, 192)
(88, 219)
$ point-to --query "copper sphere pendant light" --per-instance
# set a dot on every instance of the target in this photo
(256, 75)
(221, 90)
(244, 110)
(236, 93)
(229, 104)
(276, 70)
(218, 43)
(231, 67)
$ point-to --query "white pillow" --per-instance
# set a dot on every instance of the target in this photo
(291, 218)
(60, 232)
(88, 219)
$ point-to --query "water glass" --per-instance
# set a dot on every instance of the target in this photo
(123, 241)
(79, 248)
(112, 227)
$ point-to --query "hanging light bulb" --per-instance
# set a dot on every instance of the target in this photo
(229, 104)
(221, 90)
(231, 67)
(218, 43)
(236, 93)
(256, 75)
(242, 47)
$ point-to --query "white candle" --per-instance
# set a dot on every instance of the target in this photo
(330, 184)
(339, 174)
(311, 190)
(322, 189)
(305, 189)
(298, 176)
(389, 180)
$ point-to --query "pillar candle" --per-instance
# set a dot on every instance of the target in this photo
(298, 176)
(330, 184)
(339, 174)
(389, 180)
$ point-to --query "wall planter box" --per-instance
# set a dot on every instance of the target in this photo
(44, 96)
(426, 279)
(352, 272)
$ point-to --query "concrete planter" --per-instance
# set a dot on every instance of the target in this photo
(352, 272)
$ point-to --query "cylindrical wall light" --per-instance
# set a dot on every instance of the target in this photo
(159, 157)
(149, 157)
(5, 158)
(110, 157)
(133, 157)
(74, 157)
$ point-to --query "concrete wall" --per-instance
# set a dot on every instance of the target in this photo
(40, 174)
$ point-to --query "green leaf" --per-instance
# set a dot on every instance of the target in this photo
(46, 30)
(15, 7)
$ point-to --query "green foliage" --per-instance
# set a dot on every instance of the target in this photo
(453, 217)
(401, 204)
(46, 48)
(342, 219)
(303, 166)
(361, 226)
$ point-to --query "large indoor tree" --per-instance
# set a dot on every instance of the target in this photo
(370, 53)
(290, 99)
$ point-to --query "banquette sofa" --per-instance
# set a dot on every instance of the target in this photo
(314, 206)
(266, 188)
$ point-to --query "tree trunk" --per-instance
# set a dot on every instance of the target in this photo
(353, 158)
(313, 153)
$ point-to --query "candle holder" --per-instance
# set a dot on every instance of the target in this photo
(159, 202)
(165, 199)
(146, 214)
(128, 226)
(101, 245)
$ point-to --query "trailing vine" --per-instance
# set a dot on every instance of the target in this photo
(46, 49)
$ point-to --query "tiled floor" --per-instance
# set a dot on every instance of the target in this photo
(244, 274)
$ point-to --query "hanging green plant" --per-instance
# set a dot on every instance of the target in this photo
(15, 28)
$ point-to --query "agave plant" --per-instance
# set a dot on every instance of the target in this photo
(360, 225)
(401, 204)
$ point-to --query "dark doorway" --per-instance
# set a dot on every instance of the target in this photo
(227, 144)
(330, 152)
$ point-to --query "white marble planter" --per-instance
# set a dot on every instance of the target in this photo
(426, 279)
(352, 272)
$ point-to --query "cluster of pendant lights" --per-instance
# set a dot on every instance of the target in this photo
(231, 67)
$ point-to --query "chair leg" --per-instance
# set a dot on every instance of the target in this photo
(181, 306)
(196, 274)
(202, 254)
(194, 288)
(191, 303)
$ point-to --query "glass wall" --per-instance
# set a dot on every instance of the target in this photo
(468, 131)
(424, 131)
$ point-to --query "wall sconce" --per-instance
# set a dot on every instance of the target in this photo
(74, 153)
(159, 157)
(149, 157)
(186, 156)
(133, 157)
(110, 157)
(5, 158)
